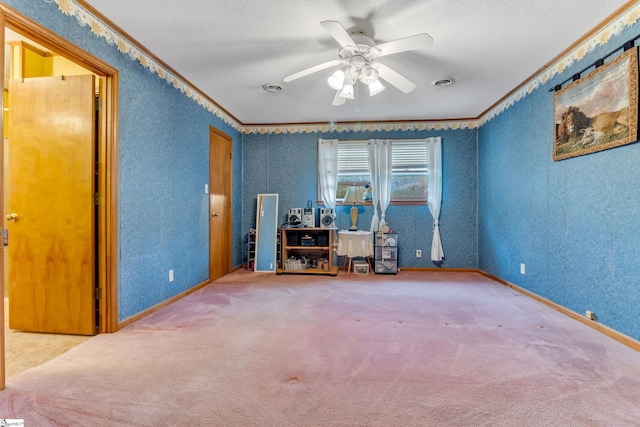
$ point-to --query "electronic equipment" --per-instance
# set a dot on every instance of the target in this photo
(309, 217)
(295, 216)
(327, 218)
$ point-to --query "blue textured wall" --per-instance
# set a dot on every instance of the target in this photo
(287, 164)
(163, 165)
(574, 223)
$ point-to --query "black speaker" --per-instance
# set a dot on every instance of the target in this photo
(327, 218)
(292, 239)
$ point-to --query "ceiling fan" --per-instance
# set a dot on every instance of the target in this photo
(359, 56)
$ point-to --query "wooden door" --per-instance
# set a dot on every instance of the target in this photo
(220, 225)
(50, 191)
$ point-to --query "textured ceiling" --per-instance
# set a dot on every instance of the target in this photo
(229, 49)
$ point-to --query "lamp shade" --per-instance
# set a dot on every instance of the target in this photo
(375, 88)
(347, 91)
(368, 75)
(354, 195)
(336, 80)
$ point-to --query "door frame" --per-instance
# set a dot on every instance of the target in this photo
(107, 232)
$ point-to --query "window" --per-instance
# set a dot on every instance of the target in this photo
(409, 169)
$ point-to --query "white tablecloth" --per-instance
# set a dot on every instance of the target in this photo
(355, 244)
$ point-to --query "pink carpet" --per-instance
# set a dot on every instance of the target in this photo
(416, 349)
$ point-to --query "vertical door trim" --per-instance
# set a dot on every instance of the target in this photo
(2, 358)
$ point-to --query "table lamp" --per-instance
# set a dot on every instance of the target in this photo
(354, 195)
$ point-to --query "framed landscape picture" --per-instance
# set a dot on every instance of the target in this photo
(598, 111)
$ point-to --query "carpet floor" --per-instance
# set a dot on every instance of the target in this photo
(416, 349)
(25, 350)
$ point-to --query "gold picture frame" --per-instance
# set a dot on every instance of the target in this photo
(598, 111)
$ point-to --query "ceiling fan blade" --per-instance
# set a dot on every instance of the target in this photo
(402, 83)
(338, 100)
(338, 32)
(419, 41)
(312, 70)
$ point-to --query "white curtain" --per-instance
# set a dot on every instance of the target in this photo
(434, 193)
(380, 170)
(328, 165)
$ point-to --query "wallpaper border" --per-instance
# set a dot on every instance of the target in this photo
(360, 127)
(100, 29)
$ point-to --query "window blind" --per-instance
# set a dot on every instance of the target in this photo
(409, 156)
(353, 158)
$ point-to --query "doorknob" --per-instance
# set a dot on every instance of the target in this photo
(12, 217)
(213, 214)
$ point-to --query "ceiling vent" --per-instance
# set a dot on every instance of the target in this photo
(443, 82)
(272, 87)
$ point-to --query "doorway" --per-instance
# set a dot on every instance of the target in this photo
(102, 163)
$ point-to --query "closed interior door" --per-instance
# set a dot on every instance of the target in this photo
(50, 200)
(220, 225)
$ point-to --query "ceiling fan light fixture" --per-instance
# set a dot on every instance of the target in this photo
(347, 91)
(358, 55)
(375, 87)
(336, 80)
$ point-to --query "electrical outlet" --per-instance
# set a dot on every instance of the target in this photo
(171, 275)
(206, 189)
(418, 253)
(591, 315)
(523, 268)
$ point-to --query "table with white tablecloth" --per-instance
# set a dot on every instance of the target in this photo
(355, 244)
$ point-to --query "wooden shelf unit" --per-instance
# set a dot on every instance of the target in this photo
(323, 248)
(250, 249)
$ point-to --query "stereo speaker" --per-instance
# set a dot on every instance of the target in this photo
(327, 218)
(292, 239)
(295, 216)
